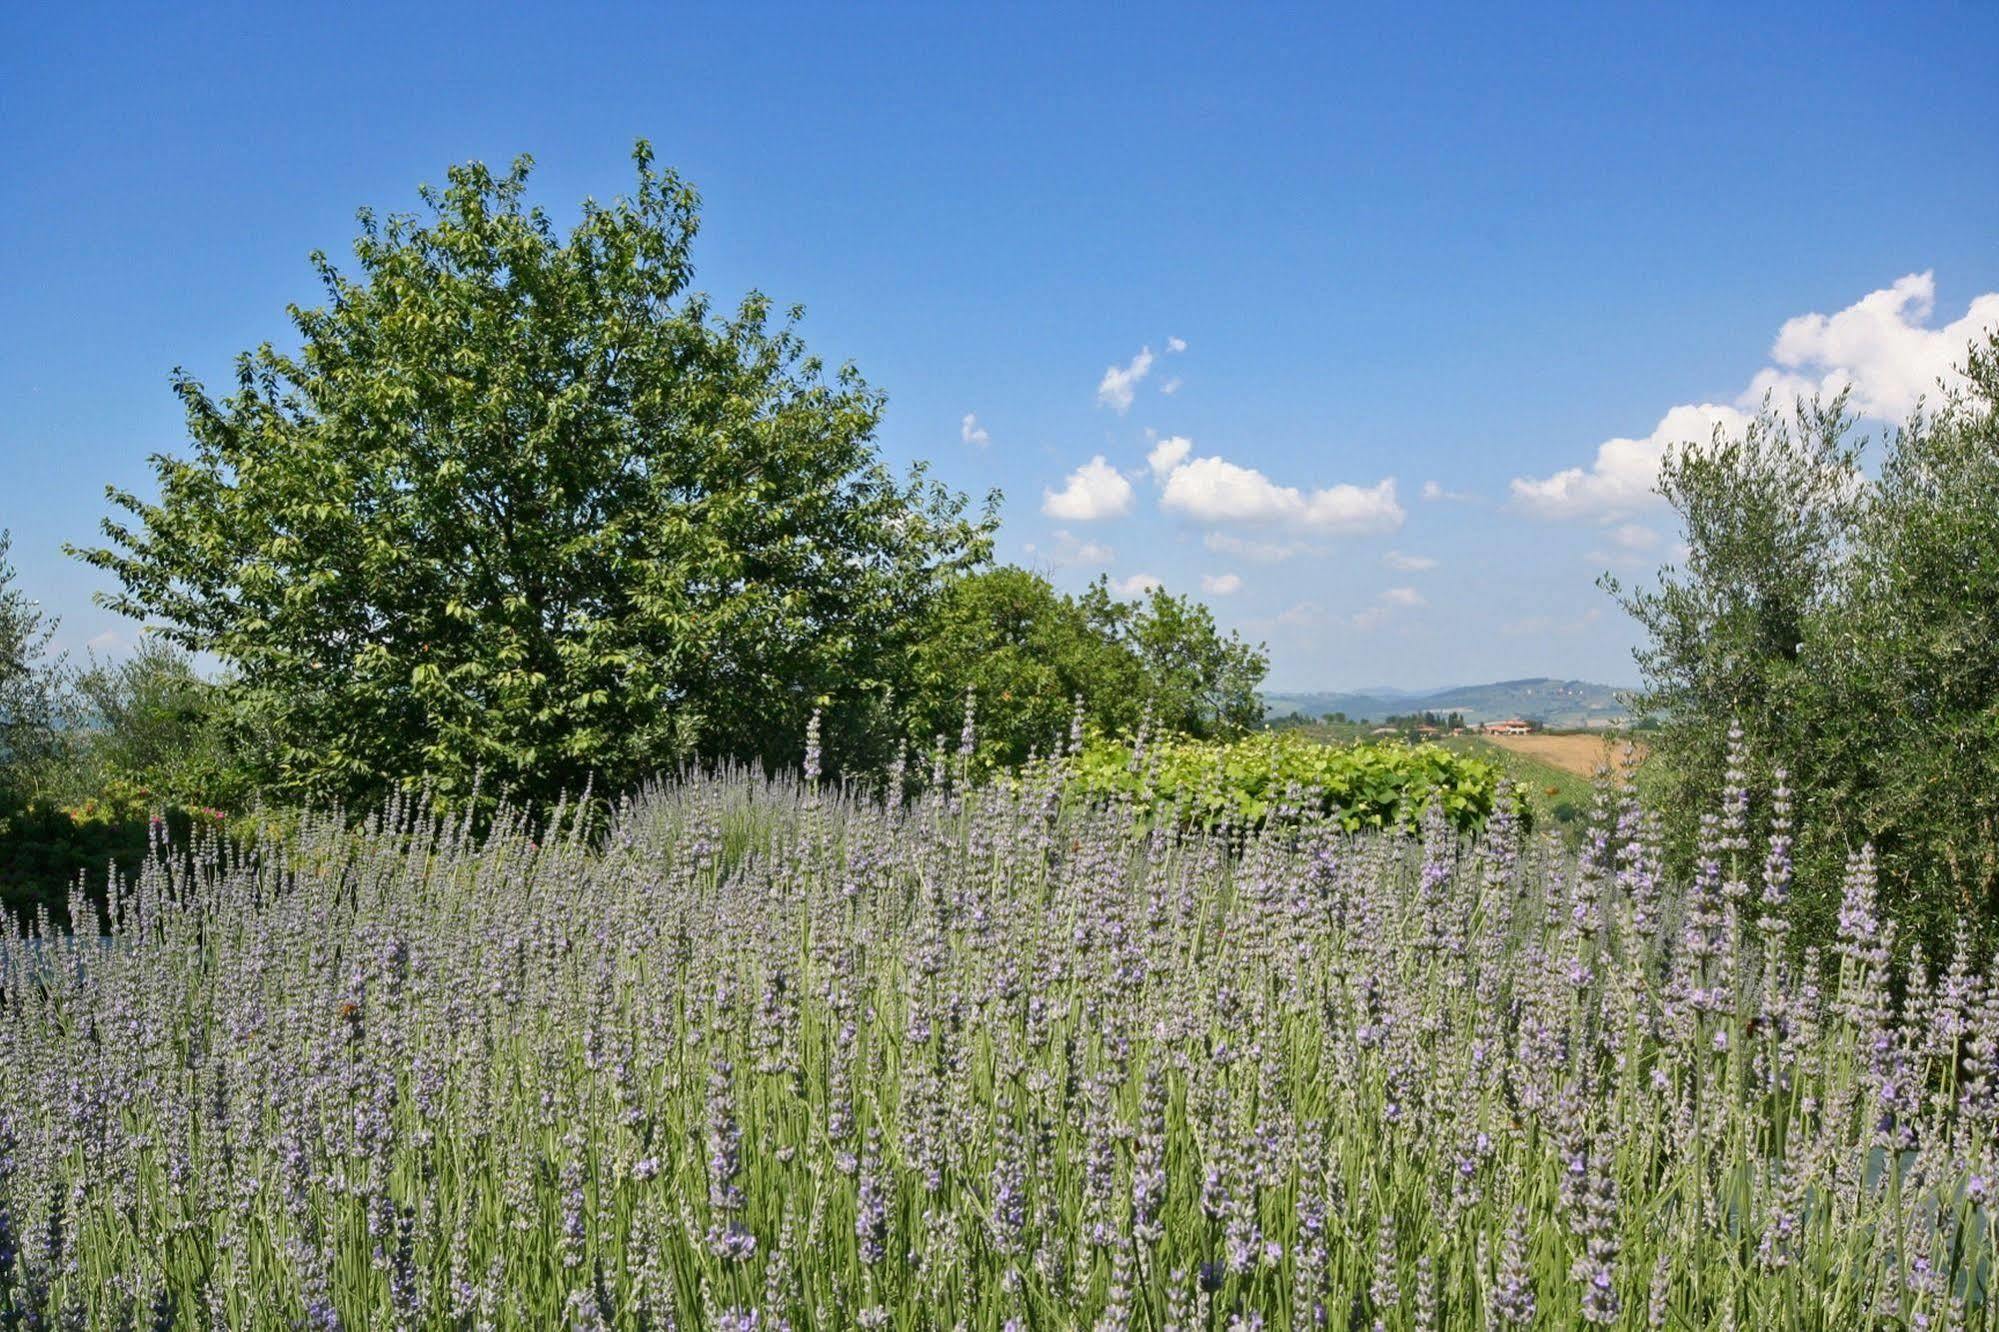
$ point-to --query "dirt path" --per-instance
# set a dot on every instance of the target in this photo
(1579, 753)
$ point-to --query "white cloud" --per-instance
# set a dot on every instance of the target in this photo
(1138, 585)
(1176, 344)
(1214, 490)
(1221, 585)
(1115, 389)
(1263, 552)
(1634, 536)
(1071, 549)
(1877, 347)
(1395, 559)
(1632, 541)
(1404, 596)
(1304, 613)
(1620, 481)
(970, 431)
(1171, 386)
(1095, 490)
(1168, 454)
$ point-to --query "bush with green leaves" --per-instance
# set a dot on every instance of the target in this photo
(151, 727)
(1279, 776)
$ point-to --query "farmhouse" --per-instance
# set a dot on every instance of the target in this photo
(1514, 726)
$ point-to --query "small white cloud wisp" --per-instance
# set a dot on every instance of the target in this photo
(1120, 383)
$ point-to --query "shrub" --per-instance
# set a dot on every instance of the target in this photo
(150, 727)
(1281, 775)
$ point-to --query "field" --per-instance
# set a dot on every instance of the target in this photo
(1559, 797)
(1577, 752)
(751, 1055)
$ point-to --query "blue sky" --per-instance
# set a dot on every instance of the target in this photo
(1450, 249)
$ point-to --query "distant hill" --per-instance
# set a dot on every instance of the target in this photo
(1558, 703)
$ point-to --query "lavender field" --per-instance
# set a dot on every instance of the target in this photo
(761, 1056)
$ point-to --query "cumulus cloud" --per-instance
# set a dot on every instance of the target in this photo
(1168, 454)
(1138, 585)
(970, 431)
(1171, 386)
(1878, 348)
(1214, 490)
(1119, 383)
(1221, 585)
(1094, 490)
(1634, 536)
(1176, 344)
(1620, 480)
(1632, 541)
(1404, 596)
(1304, 613)
(1397, 560)
(1369, 620)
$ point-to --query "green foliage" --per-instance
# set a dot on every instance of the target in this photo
(1851, 627)
(47, 849)
(1198, 682)
(527, 505)
(30, 689)
(1283, 774)
(152, 725)
(1028, 653)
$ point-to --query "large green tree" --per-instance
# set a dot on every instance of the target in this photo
(526, 504)
(1027, 653)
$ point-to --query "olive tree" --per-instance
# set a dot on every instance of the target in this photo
(1849, 623)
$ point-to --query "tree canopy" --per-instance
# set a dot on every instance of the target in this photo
(528, 505)
(1029, 653)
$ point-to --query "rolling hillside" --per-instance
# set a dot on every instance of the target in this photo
(1556, 703)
